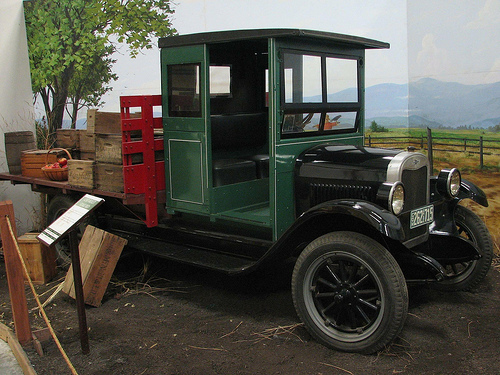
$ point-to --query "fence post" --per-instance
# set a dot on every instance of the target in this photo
(369, 141)
(429, 149)
(465, 144)
(422, 142)
(481, 152)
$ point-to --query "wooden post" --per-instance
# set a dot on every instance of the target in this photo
(80, 300)
(429, 149)
(481, 153)
(369, 141)
(15, 277)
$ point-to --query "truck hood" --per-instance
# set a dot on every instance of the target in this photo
(345, 162)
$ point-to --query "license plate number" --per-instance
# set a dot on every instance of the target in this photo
(421, 216)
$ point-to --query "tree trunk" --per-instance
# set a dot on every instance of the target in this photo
(55, 115)
(74, 112)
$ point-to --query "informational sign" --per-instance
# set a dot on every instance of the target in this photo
(70, 219)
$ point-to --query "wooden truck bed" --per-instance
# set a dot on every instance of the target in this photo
(143, 182)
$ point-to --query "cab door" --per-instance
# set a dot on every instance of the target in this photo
(185, 109)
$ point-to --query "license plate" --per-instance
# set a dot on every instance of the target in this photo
(421, 216)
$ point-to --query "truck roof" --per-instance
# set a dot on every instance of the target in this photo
(260, 34)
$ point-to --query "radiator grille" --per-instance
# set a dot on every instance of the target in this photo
(416, 185)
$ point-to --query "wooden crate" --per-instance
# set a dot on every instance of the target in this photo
(40, 259)
(87, 156)
(68, 138)
(106, 122)
(108, 148)
(109, 177)
(32, 162)
(87, 141)
(81, 173)
(103, 122)
(99, 253)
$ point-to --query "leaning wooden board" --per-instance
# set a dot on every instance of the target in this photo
(99, 253)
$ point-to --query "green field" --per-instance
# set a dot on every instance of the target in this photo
(458, 146)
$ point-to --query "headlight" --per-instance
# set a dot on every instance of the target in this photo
(448, 182)
(392, 195)
(397, 198)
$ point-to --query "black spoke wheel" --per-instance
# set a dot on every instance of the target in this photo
(467, 275)
(350, 292)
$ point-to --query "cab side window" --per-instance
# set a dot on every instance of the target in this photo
(184, 90)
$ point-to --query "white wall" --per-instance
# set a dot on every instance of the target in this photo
(16, 108)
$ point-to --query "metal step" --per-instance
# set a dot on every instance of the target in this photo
(203, 258)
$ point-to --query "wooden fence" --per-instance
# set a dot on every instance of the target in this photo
(478, 146)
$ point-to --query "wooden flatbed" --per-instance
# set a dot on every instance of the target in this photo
(143, 183)
(44, 185)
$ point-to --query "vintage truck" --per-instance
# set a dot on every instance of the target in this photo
(263, 134)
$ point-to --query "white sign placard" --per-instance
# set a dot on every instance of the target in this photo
(69, 219)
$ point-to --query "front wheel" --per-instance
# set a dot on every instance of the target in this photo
(350, 292)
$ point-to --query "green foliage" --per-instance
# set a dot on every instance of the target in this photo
(495, 129)
(376, 128)
(67, 38)
(91, 83)
(43, 138)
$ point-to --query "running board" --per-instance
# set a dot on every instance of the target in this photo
(203, 258)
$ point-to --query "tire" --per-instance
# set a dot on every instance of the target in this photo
(57, 206)
(350, 293)
(468, 275)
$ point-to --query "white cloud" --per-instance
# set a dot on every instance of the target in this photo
(432, 60)
(494, 74)
(487, 16)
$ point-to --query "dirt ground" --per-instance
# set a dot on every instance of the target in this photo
(159, 317)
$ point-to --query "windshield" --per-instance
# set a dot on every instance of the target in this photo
(320, 94)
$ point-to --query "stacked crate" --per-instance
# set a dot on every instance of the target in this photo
(99, 165)
(106, 127)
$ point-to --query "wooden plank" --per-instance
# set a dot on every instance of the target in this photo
(7, 335)
(99, 253)
(15, 274)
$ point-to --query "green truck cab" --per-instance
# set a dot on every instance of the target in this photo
(264, 158)
(263, 134)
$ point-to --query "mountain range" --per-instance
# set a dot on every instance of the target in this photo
(425, 103)
(433, 103)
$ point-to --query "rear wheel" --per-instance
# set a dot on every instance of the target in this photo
(350, 292)
(467, 275)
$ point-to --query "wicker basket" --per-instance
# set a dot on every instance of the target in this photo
(56, 174)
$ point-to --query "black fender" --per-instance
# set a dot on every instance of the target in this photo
(378, 218)
(444, 209)
(468, 190)
(313, 223)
